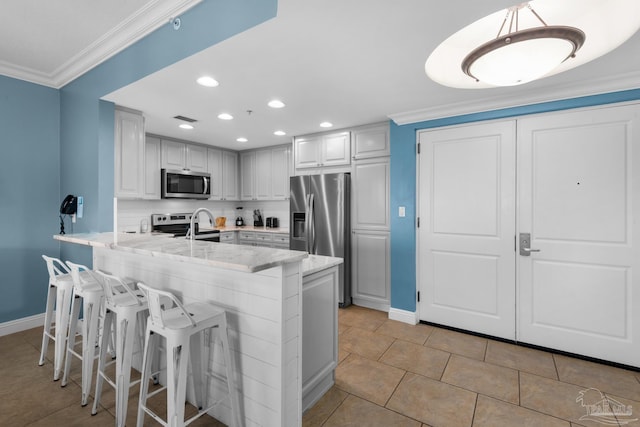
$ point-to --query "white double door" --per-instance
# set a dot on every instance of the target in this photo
(571, 181)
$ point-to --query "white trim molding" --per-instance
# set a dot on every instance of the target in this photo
(410, 317)
(143, 22)
(520, 98)
(19, 325)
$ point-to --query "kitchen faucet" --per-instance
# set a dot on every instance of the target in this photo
(194, 215)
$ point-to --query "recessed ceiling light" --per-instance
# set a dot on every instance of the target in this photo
(276, 103)
(225, 116)
(242, 139)
(185, 126)
(280, 133)
(326, 124)
(207, 81)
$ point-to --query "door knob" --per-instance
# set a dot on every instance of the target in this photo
(525, 245)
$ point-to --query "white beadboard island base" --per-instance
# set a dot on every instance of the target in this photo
(262, 291)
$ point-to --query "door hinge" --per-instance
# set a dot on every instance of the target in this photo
(418, 148)
(418, 296)
(418, 222)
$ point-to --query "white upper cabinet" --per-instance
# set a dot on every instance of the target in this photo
(280, 172)
(152, 163)
(196, 158)
(129, 154)
(265, 174)
(371, 141)
(223, 167)
(307, 152)
(229, 175)
(173, 155)
(336, 149)
(214, 165)
(179, 155)
(322, 150)
(248, 175)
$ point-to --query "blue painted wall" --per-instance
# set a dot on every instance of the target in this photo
(58, 142)
(403, 182)
(29, 193)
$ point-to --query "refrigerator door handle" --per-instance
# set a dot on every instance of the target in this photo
(307, 235)
(312, 225)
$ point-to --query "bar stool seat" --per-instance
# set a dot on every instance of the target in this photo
(123, 307)
(184, 328)
(57, 313)
(87, 288)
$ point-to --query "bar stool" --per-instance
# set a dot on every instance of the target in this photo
(123, 306)
(182, 327)
(58, 296)
(87, 288)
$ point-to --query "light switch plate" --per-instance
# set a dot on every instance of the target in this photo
(80, 206)
(401, 212)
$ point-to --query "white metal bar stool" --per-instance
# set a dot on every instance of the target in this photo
(184, 327)
(85, 286)
(123, 306)
(58, 297)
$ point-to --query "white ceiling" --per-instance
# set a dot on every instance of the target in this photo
(348, 62)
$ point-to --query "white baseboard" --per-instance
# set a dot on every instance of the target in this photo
(410, 317)
(19, 325)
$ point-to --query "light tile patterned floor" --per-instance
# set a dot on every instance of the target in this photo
(393, 374)
(390, 374)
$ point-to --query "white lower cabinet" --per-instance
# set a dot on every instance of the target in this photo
(319, 337)
(269, 240)
(371, 265)
(228, 237)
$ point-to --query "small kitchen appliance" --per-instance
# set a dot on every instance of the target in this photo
(178, 225)
(184, 184)
(239, 219)
(272, 222)
(257, 218)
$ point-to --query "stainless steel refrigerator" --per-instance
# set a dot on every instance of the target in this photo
(320, 221)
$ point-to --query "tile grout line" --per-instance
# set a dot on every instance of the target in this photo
(475, 407)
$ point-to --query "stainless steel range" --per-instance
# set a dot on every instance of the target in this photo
(178, 225)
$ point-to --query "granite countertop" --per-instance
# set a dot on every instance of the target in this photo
(315, 263)
(248, 259)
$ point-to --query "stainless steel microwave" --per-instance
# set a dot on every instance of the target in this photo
(184, 184)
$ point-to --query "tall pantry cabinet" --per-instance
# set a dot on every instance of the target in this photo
(370, 222)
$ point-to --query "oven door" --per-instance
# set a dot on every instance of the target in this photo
(184, 184)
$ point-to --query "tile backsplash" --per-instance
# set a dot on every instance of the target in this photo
(135, 215)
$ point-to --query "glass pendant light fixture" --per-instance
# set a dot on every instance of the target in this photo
(518, 56)
(530, 41)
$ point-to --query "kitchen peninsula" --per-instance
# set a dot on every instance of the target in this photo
(281, 306)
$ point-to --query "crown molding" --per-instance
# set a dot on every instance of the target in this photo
(577, 89)
(143, 22)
